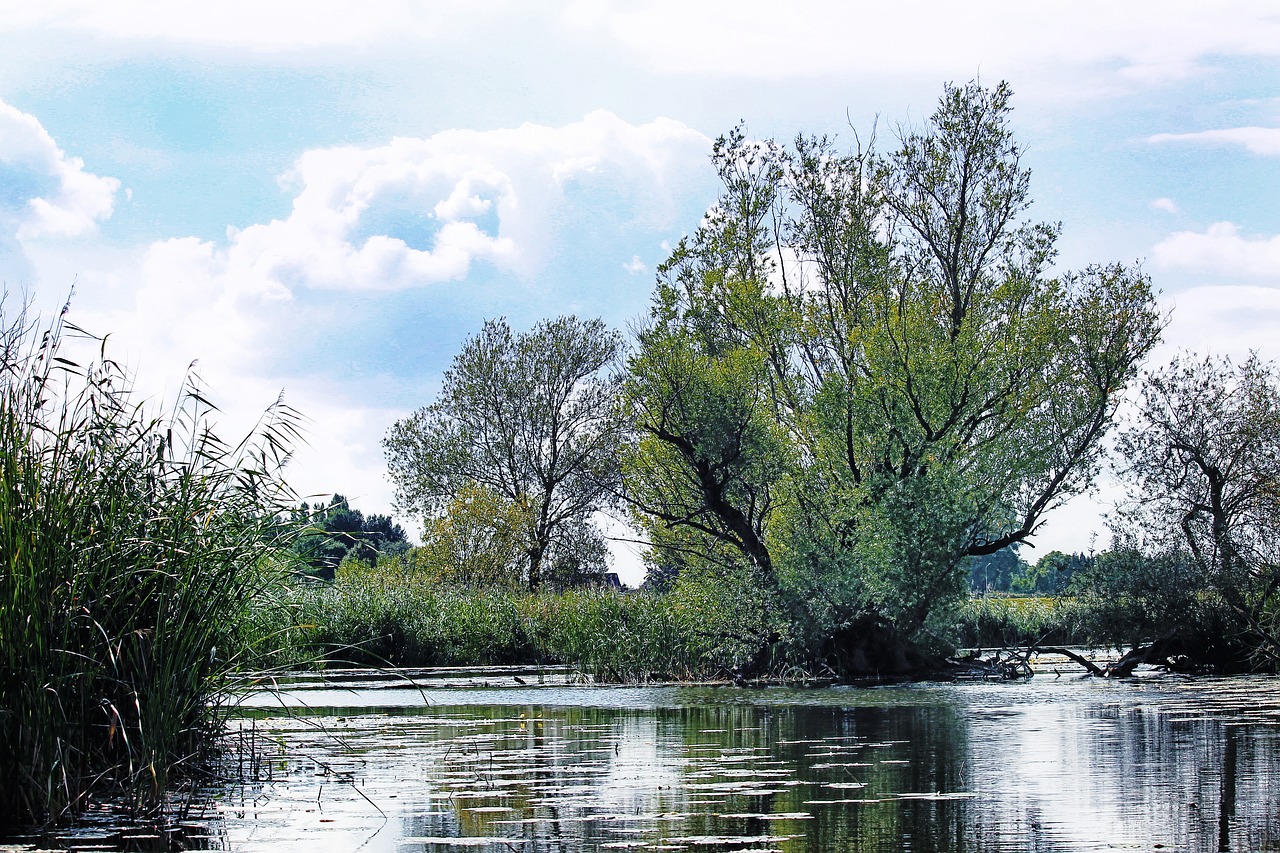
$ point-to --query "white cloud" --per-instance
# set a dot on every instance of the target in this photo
(457, 198)
(1146, 40)
(1221, 250)
(1229, 320)
(1168, 205)
(1258, 140)
(505, 197)
(45, 192)
(342, 450)
(421, 211)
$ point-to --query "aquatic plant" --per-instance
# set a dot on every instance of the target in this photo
(998, 620)
(395, 614)
(131, 545)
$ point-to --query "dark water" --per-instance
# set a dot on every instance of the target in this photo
(1050, 764)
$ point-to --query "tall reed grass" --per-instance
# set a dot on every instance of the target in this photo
(997, 620)
(130, 547)
(390, 614)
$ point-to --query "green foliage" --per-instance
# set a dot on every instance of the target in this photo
(1125, 598)
(998, 621)
(478, 540)
(1132, 598)
(328, 535)
(531, 419)
(395, 613)
(997, 572)
(858, 372)
(131, 549)
(1052, 574)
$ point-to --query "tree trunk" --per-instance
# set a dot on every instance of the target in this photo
(536, 553)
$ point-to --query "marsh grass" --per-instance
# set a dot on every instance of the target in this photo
(131, 546)
(392, 615)
(996, 620)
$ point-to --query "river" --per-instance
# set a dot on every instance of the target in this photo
(500, 762)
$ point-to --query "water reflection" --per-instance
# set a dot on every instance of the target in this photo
(1050, 765)
(1043, 766)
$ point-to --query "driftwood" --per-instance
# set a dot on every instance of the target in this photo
(1005, 664)
(1090, 666)
(1158, 652)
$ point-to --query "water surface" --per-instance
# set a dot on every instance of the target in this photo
(378, 764)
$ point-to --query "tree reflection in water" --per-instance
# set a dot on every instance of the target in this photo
(1045, 765)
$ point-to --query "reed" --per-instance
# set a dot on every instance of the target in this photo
(998, 620)
(393, 615)
(131, 546)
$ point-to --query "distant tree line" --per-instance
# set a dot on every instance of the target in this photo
(1006, 571)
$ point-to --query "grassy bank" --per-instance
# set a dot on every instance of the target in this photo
(131, 548)
(389, 615)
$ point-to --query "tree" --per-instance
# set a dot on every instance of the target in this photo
(998, 572)
(335, 532)
(1051, 574)
(532, 419)
(859, 372)
(1203, 456)
(478, 540)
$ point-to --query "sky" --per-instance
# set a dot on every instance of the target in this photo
(326, 199)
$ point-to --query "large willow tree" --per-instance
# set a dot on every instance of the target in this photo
(861, 370)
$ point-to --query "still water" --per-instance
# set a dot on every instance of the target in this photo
(1046, 765)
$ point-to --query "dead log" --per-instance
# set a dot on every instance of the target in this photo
(1090, 666)
(1159, 651)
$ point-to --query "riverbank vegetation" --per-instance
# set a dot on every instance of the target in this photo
(134, 545)
(858, 374)
(397, 614)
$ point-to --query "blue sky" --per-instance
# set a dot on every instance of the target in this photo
(327, 198)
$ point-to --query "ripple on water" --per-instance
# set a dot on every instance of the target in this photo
(1053, 764)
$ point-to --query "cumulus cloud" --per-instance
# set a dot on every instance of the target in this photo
(285, 303)
(1258, 140)
(1145, 40)
(421, 211)
(43, 192)
(1221, 250)
(1168, 205)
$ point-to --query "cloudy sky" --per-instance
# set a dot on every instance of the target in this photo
(328, 197)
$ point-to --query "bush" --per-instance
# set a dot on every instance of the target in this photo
(1131, 598)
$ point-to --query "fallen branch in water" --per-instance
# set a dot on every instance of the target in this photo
(1159, 652)
(1089, 665)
